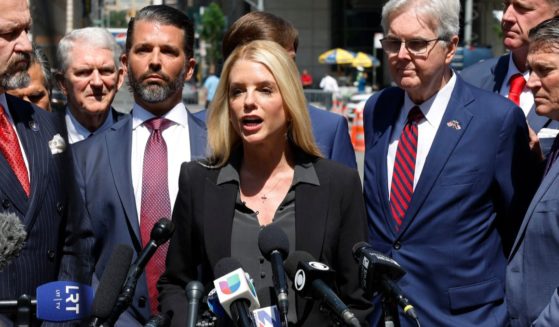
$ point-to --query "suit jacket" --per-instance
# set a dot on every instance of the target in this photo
(102, 164)
(532, 278)
(330, 133)
(329, 220)
(473, 185)
(57, 242)
(489, 75)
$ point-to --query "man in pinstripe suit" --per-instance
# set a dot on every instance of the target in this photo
(35, 178)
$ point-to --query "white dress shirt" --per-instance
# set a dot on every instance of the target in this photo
(77, 132)
(4, 104)
(526, 97)
(433, 109)
(177, 139)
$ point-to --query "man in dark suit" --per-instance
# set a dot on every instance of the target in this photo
(532, 279)
(496, 74)
(90, 75)
(36, 180)
(446, 179)
(120, 176)
(329, 129)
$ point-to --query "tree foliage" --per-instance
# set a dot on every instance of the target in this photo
(213, 25)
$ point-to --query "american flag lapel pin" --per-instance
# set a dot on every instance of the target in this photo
(454, 124)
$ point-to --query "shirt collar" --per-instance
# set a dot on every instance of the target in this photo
(514, 70)
(178, 115)
(304, 171)
(433, 108)
(76, 128)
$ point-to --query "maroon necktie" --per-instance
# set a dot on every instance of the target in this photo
(401, 189)
(516, 86)
(155, 200)
(9, 146)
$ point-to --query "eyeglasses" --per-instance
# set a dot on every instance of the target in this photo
(415, 46)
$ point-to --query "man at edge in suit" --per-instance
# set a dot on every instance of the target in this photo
(36, 180)
(532, 279)
(507, 75)
(445, 180)
(90, 75)
(129, 174)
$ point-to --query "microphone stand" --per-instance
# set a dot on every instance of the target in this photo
(24, 311)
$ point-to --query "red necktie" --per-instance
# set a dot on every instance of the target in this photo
(517, 83)
(401, 189)
(155, 200)
(9, 146)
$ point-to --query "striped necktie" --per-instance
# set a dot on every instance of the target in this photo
(401, 189)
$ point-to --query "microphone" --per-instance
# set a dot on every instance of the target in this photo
(194, 292)
(235, 291)
(274, 246)
(111, 284)
(160, 320)
(160, 233)
(56, 301)
(311, 279)
(267, 317)
(12, 237)
(378, 273)
(213, 304)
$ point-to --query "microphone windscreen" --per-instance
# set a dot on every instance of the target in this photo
(293, 260)
(358, 246)
(271, 238)
(225, 266)
(162, 231)
(111, 282)
(12, 237)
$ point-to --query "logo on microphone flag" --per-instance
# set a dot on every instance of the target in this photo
(230, 285)
(63, 301)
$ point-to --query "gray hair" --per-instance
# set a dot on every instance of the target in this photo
(444, 13)
(94, 36)
(40, 58)
(545, 35)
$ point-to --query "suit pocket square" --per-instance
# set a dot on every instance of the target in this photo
(57, 144)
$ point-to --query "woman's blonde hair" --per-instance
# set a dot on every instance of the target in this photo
(222, 138)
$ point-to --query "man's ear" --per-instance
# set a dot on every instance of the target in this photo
(190, 64)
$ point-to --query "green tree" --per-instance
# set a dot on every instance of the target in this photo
(213, 25)
(118, 19)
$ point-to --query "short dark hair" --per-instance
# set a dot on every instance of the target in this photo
(545, 36)
(259, 25)
(167, 16)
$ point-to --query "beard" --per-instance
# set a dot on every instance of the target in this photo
(154, 93)
(16, 75)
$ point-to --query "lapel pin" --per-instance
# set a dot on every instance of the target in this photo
(454, 124)
(34, 126)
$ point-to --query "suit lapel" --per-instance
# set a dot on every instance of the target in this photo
(499, 72)
(546, 183)
(197, 135)
(219, 201)
(442, 148)
(311, 213)
(386, 113)
(119, 146)
(535, 121)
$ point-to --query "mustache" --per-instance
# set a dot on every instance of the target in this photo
(19, 57)
(163, 76)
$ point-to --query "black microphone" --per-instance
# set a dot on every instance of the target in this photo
(274, 246)
(235, 291)
(160, 233)
(12, 237)
(379, 273)
(312, 279)
(160, 320)
(110, 284)
(194, 293)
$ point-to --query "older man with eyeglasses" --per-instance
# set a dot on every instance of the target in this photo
(445, 174)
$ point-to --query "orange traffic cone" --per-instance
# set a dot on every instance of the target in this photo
(357, 132)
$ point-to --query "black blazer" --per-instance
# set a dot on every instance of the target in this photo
(329, 220)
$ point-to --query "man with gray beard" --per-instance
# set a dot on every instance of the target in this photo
(36, 182)
(128, 175)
